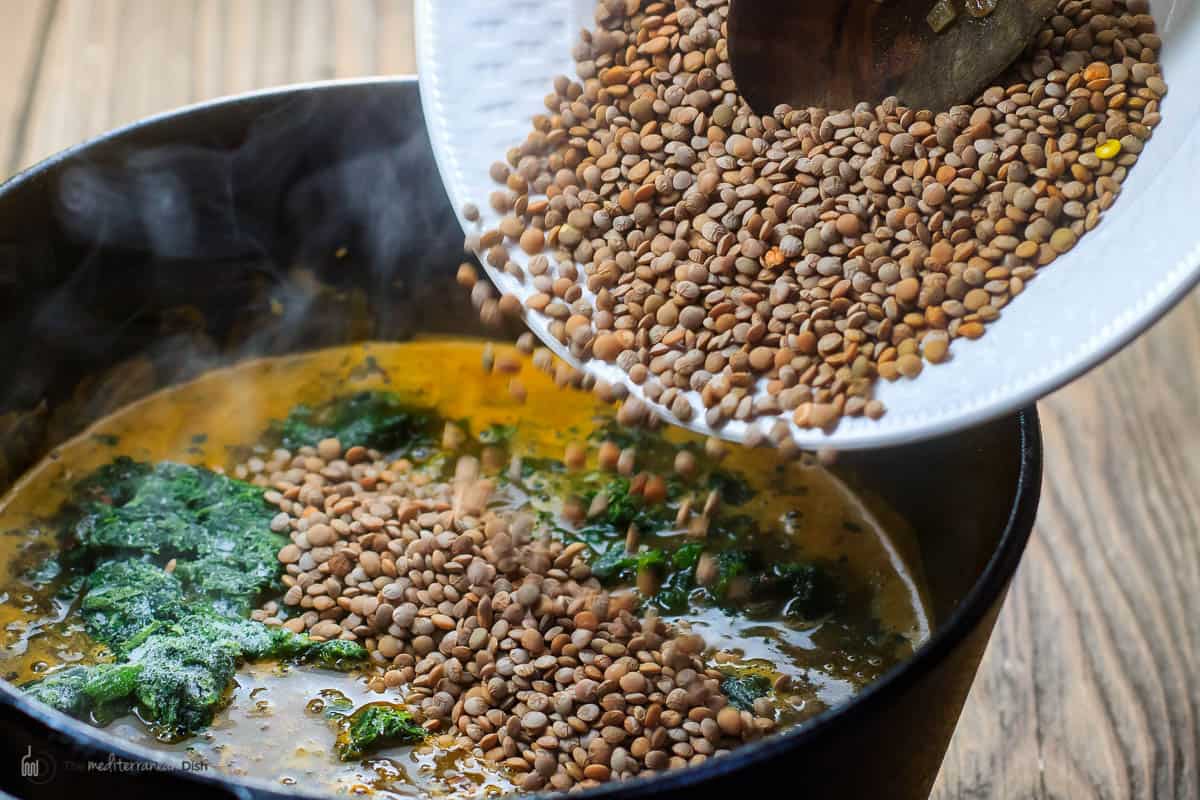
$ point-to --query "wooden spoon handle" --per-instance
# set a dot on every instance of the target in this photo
(835, 53)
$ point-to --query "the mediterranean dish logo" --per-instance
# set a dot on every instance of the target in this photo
(37, 767)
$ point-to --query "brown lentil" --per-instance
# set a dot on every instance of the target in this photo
(700, 246)
(481, 623)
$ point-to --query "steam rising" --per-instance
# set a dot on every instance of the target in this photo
(256, 227)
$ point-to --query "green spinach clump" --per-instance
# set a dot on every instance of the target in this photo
(373, 419)
(373, 726)
(753, 583)
(216, 528)
(743, 690)
(744, 575)
(178, 635)
(622, 508)
(100, 693)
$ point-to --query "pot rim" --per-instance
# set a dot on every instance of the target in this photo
(975, 604)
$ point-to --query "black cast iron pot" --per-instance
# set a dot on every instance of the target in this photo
(313, 215)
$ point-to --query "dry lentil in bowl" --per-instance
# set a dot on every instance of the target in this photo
(518, 593)
(745, 267)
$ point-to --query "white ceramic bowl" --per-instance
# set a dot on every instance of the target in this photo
(485, 67)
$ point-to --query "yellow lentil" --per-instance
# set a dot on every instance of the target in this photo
(1108, 149)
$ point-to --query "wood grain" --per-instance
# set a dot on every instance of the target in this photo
(76, 68)
(22, 56)
(1088, 688)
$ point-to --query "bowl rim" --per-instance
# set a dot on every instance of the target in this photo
(988, 590)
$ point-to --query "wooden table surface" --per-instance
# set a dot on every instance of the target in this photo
(1089, 687)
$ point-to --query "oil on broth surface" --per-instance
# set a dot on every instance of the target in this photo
(274, 727)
